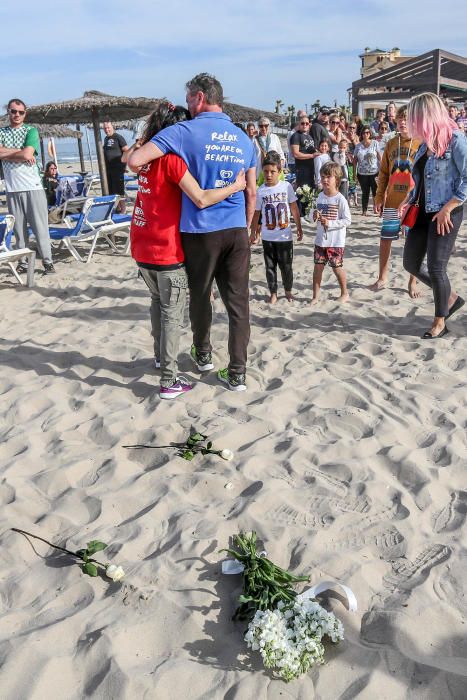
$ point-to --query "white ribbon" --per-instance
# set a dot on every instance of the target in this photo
(330, 586)
(232, 566)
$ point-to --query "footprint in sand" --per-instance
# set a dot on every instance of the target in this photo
(453, 514)
(406, 574)
(287, 515)
(387, 543)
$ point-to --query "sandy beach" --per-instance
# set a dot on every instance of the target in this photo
(350, 463)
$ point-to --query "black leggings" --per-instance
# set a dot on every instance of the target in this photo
(423, 240)
(367, 183)
(278, 253)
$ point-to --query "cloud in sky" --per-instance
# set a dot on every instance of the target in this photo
(260, 51)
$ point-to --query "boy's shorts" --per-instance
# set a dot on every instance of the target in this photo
(391, 225)
(333, 256)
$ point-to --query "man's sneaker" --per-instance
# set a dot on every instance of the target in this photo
(235, 382)
(49, 269)
(22, 268)
(180, 386)
(157, 363)
(203, 360)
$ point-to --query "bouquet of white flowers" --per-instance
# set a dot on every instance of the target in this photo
(307, 197)
(286, 628)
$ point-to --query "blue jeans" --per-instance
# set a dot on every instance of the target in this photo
(423, 240)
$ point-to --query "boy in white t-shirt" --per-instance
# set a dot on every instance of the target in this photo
(332, 215)
(276, 201)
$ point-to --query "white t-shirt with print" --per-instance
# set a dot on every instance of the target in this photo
(319, 162)
(337, 212)
(273, 202)
(367, 158)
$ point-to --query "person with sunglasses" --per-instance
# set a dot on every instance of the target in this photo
(366, 164)
(377, 121)
(304, 151)
(26, 198)
(335, 132)
(266, 141)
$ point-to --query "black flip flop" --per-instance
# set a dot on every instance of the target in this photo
(458, 304)
(429, 336)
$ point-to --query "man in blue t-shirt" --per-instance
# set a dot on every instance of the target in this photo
(215, 239)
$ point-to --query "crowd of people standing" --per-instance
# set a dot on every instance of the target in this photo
(198, 210)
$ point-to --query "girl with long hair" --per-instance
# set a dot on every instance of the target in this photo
(440, 176)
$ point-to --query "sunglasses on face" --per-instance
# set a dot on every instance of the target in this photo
(304, 123)
(17, 111)
(263, 126)
(335, 122)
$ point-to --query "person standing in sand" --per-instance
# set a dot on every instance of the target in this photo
(215, 240)
(332, 216)
(394, 183)
(25, 194)
(156, 244)
(276, 201)
(440, 190)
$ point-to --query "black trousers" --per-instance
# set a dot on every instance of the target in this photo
(278, 254)
(224, 256)
(423, 240)
(367, 183)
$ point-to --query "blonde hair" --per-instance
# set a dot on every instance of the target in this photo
(428, 119)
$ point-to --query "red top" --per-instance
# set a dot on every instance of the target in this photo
(155, 232)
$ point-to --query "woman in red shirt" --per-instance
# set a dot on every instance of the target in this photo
(156, 243)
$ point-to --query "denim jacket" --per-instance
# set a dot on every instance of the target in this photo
(445, 177)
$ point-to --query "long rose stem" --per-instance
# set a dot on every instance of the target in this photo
(55, 546)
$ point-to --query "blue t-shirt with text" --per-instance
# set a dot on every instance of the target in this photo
(215, 151)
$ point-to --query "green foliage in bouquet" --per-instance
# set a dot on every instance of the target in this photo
(265, 584)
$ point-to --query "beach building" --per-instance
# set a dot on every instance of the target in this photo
(386, 76)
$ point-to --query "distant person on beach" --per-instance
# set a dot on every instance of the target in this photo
(114, 148)
(320, 160)
(26, 200)
(391, 110)
(290, 157)
(366, 164)
(343, 158)
(156, 242)
(394, 183)
(377, 121)
(440, 190)
(266, 142)
(332, 216)
(50, 182)
(276, 202)
(304, 151)
(215, 240)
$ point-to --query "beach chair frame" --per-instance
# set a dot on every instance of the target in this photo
(87, 229)
(8, 256)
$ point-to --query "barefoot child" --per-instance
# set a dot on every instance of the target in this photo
(276, 200)
(332, 216)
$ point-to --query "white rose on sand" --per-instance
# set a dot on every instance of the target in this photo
(114, 572)
(227, 455)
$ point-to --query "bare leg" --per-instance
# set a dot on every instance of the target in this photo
(384, 255)
(342, 279)
(289, 296)
(414, 292)
(317, 277)
(273, 298)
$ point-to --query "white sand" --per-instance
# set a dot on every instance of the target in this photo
(350, 462)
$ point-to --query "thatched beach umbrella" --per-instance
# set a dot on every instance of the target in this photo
(239, 113)
(93, 107)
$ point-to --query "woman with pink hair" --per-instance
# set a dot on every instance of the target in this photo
(440, 176)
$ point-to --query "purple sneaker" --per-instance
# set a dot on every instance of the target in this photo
(180, 386)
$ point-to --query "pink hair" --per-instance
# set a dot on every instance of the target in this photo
(428, 120)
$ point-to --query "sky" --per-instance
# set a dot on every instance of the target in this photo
(261, 51)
